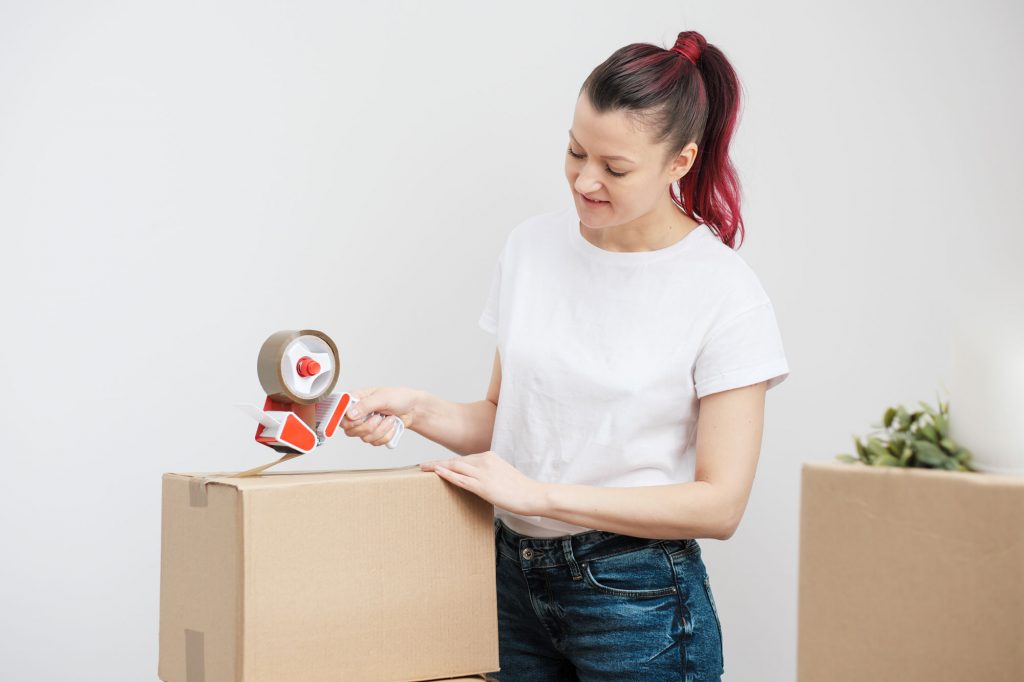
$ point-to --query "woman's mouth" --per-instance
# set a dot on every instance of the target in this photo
(592, 202)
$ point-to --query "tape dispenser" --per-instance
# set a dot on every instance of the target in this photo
(299, 371)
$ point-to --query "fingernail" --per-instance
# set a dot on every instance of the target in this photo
(354, 412)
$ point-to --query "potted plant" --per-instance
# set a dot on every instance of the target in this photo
(912, 439)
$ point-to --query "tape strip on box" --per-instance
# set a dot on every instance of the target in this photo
(195, 656)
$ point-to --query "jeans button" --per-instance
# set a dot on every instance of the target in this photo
(527, 553)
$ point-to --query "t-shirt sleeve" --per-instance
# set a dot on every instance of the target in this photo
(489, 317)
(744, 350)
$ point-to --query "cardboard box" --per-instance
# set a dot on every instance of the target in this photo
(910, 575)
(382, 575)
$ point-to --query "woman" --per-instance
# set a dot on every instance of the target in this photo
(635, 347)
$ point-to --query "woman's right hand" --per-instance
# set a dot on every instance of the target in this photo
(387, 402)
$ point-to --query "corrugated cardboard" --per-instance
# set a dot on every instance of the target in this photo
(910, 575)
(382, 575)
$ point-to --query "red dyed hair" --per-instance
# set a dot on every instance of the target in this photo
(687, 93)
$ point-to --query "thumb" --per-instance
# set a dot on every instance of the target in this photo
(366, 402)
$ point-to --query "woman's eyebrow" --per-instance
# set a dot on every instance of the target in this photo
(620, 158)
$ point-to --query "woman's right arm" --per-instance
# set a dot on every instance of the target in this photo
(464, 428)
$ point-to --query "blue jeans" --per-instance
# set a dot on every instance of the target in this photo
(604, 606)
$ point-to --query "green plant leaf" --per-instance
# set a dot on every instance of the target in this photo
(930, 433)
(845, 457)
(876, 448)
(889, 414)
(929, 453)
(887, 460)
(904, 418)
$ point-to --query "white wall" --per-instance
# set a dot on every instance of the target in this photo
(179, 179)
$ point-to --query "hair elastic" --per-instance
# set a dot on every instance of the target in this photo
(686, 54)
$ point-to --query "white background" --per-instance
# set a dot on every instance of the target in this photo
(179, 179)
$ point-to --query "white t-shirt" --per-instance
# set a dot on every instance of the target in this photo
(605, 354)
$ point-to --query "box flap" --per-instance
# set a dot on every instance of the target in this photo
(199, 480)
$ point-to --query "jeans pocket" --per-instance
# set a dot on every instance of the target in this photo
(635, 574)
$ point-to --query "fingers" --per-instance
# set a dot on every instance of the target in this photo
(364, 427)
(348, 423)
(450, 474)
(362, 421)
(384, 431)
(377, 429)
(357, 414)
(456, 464)
(357, 411)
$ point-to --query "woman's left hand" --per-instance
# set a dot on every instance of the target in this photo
(488, 475)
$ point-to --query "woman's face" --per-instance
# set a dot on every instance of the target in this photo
(613, 162)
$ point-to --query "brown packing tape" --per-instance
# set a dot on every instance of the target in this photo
(292, 455)
(339, 471)
(260, 469)
(197, 494)
(195, 656)
(268, 366)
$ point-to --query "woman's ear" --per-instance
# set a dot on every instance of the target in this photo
(683, 161)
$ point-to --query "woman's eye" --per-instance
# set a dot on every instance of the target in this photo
(582, 156)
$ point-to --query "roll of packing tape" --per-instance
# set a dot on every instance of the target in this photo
(298, 366)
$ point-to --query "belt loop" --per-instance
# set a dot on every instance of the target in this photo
(570, 559)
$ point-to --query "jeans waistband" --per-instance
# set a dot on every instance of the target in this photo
(568, 549)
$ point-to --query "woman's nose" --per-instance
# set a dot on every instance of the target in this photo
(586, 185)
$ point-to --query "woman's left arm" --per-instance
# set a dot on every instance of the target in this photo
(729, 430)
